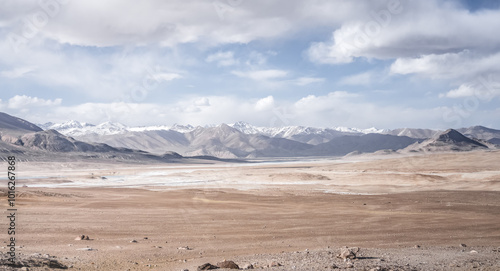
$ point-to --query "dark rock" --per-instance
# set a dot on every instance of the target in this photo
(207, 266)
(228, 264)
(274, 264)
(33, 262)
(348, 253)
(82, 237)
(247, 266)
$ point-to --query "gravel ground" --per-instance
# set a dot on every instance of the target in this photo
(413, 258)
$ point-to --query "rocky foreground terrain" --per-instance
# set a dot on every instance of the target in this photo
(425, 212)
(458, 257)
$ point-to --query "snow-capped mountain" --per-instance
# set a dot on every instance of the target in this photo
(243, 140)
(75, 128)
(289, 131)
(371, 130)
(72, 124)
(176, 127)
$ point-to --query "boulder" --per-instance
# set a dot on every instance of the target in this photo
(228, 264)
(274, 264)
(82, 237)
(247, 266)
(207, 266)
(348, 253)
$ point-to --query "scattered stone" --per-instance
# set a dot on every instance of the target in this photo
(82, 237)
(146, 238)
(348, 253)
(349, 265)
(207, 266)
(247, 266)
(133, 241)
(26, 263)
(463, 245)
(417, 246)
(334, 266)
(86, 249)
(185, 248)
(473, 251)
(228, 264)
(274, 264)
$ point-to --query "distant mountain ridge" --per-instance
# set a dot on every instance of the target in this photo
(10, 123)
(480, 132)
(450, 140)
(243, 140)
(30, 142)
(78, 128)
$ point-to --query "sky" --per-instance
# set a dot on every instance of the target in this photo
(323, 63)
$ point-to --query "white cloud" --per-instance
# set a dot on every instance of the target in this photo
(141, 45)
(338, 108)
(416, 28)
(266, 103)
(261, 75)
(170, 23)
(361, 79)
(481, 89)
(202, 102)
(166, 76)
(341, 108)
(462, 91)
(477, 75)
(303, 81)
(16, 72)
(448, 65)
(167, 23)
(27, 102)
(223, 59)
(258, 59)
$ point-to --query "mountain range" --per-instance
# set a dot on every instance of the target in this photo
(239, 140)
(243, 140)
(28, 142)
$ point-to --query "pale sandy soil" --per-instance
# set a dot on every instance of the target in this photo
(259, 213)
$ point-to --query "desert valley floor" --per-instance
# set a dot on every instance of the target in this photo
(423, 212)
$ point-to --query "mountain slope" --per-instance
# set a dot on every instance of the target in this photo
(13, 124)
(226, 142)
(413, 133)
(480, 132)
(450, 140)
(366, 143)
(153, 141)
(309, 135)
(53, 141)
(495, 141)
(243, 140)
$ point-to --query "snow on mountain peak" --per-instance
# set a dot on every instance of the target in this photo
(75, 128)
(372, 130)
(182, 128)
(245, 127)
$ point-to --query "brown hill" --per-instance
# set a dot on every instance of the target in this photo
(450, 140)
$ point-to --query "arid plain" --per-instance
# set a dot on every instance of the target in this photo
(423, 212)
